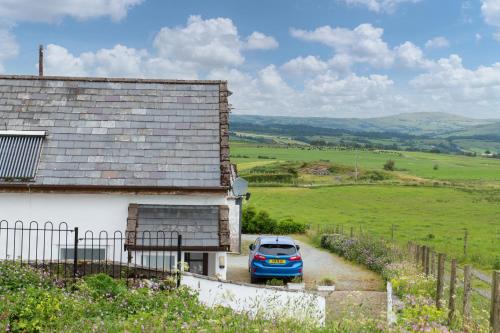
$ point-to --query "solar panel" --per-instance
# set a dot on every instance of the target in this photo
(19, 155)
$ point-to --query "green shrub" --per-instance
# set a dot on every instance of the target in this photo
(275, 282)
(270, 178)
(289, 226)
(102, 285)
(496, 264)
(14, 276)
(390, 165)
(374, 253)
(374, 175)
(327, 281)
(254, 222)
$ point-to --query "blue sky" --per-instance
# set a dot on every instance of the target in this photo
(334, 58)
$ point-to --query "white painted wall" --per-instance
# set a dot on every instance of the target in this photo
(258, 300)
(97, 212)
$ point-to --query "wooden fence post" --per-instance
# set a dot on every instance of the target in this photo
(352, 232)
(424, 251)
(453, 294)
(467, 294)
(392, 232)
(440, 281)
(427, 258)
(417, 255)
(433, 263)
(495, 303)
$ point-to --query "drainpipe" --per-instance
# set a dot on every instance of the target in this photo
(239, 203)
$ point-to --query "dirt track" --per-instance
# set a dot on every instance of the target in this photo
(318, 264)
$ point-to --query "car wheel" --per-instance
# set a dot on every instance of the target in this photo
(253, 279)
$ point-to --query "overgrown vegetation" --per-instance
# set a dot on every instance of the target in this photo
(319, 172)
(260, 222)
(373, 253)
(30, 301)
(417, 291)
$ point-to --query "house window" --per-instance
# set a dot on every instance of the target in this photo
(197, 262)
(19, 154)
(159, 262)
(68, 253)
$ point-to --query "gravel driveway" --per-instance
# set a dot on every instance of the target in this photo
(318, 264)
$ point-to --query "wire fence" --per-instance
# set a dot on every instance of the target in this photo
(66, 252)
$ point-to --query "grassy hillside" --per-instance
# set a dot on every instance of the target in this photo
(409, 123)
(427, 132)
(436, 216)
(449, 167)
(430, 197)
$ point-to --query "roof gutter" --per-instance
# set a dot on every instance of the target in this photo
(31, 187)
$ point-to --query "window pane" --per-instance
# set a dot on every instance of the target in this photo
(84, 254)
(277, 249)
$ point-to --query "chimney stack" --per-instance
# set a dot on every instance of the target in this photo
(40, 60)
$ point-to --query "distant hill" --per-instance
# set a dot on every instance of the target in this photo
(488, 130)
(424, 123)
(433, 132)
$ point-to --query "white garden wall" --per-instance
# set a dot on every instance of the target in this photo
(270, 302)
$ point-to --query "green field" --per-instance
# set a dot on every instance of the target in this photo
(450, 167)
(436, 215)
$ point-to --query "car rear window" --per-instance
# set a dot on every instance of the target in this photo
(277, 249)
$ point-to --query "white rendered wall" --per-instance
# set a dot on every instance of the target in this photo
(97, 212)
(258, 300)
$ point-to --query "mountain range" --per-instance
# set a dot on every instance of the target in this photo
(413, 131)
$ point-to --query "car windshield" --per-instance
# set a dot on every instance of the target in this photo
(277, 249)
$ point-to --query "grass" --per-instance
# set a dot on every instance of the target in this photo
(450, 167)
(436, 216)
(30, 301)
(426, 211)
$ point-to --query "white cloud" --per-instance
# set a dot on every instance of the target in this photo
(8, 46)
(327, 94)
(411, 56)
(478, 37)
(48, 11)
(363, 44)
(259, 41)
(58, 61)
(387, 6)
(437, 43)
(491, 12)
(179, 52)
(305, 65)
(449, 86)
(53, 10)
(209, 43)
(120, 61)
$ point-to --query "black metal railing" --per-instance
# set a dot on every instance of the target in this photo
(69, 253)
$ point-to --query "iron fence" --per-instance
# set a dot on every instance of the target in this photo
(70, 253)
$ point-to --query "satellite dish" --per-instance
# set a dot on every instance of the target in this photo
(240, 187)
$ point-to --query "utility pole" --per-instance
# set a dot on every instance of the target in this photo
(356, 167)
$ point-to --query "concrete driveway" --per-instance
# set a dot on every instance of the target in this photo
(318, 264)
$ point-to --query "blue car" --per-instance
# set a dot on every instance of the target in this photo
(274, 257)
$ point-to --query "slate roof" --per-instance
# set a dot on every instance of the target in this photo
(119, 132)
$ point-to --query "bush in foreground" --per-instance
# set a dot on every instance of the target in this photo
(102, 304)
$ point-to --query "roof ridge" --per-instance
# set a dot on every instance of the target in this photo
(109, 79)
